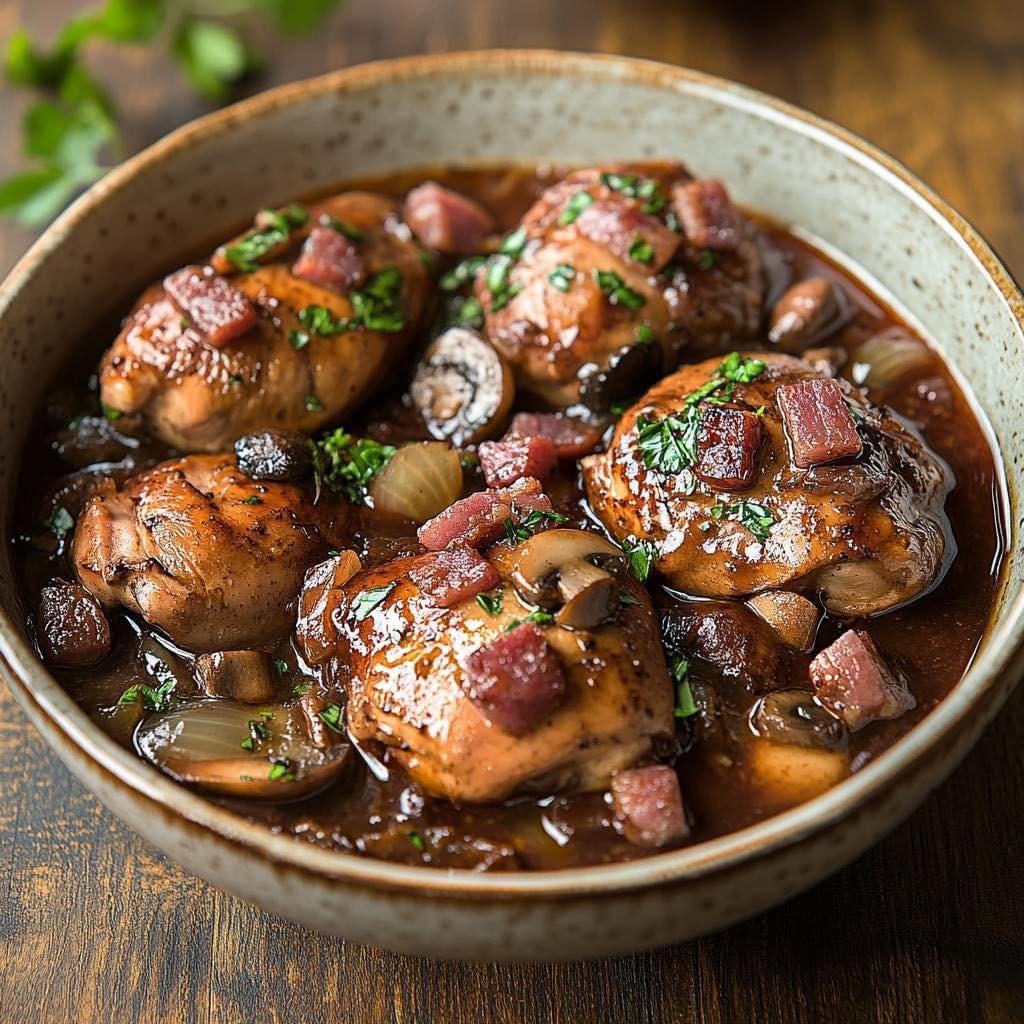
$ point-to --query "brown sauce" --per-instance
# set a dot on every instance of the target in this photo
(932, 640)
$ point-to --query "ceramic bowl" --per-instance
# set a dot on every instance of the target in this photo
(863, 207)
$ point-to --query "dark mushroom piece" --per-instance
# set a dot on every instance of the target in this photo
(626, 374)
(795, 717)
(809, 311)
(245, 676)
(260, 752)
(793, 618)
(281, 455)
(462, 388)
(72, 629)
(573, 571)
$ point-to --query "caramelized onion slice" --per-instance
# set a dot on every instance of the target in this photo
(890, 357)
(257, 752)
(419, 481)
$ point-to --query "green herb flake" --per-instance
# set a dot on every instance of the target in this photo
(281, 667)
(685, 704)
(626, 599)
(644, 334)
(61, 522)
(520, 528)
(313, 404)
(298, 339)
(669, 445)
(331, 717)
(579, 202)
(301, 689)
(281, 771)
(708, 259)
(537, 618)
(753, 515)
(513, 244)
(641, 251)
(274, 231)
(351, 233)
(491, 603)
(258, 732)
(618, 292)
(153, 698)
(253, 499)
(346, 464)
(110, 412)
(640, 558)
(561, 277)
(367, 600)
(416, 841)
(461, 274)
(468, 313)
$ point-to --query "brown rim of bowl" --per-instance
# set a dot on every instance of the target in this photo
(995, 659)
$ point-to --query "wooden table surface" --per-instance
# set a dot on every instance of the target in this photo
(928, 926)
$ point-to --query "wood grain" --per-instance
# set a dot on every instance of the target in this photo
(928, 926)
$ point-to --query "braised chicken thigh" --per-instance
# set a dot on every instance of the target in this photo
(617, 272)
(292, 325)
(202, 552)
(757, 473)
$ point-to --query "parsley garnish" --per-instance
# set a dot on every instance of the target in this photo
(61, 522)
(366, 600)
(633, 186)
(301, 689)
(281, 771)
(519, 528)
(461, 274)
(537, 618)
(757, 518)
(640, 557)
(468, 313)
(513, 244)
(376, 307)
(257, 731)
(331, 717)
(253, 499)
(641, 250)
(708, 259)
(669, 445)
(313, 404)
(281, 666)
(246, 253)
(626, 598)
(498, 284)
(561, 277)
(351, 233)
(491, 603)
(158, 698)
(618, 292)
(579, 202)
(347, 464)
(685, 704)
(110, 412)
(644, 334)
(416, 841)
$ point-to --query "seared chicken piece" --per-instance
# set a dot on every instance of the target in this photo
(204, 553)
(619, 274)
(476, 707)
(786, 480)
(199, 387)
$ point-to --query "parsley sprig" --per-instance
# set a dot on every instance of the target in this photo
(376, 307)
(274, 228)
(347, 464)
(153, 698)
(640, 558)
(520, 527)
(755, 516)
(71, 130)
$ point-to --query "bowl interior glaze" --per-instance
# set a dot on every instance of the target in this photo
(525, 107)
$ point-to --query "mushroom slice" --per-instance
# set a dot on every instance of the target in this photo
(258, 752)
(462, 388)
(627, 373)
(246, 676)
(792, 617)
(796, 718)
(572, 571)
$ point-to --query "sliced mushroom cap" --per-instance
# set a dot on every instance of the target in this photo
(626, 374)
(246, 676)
(462, 388)
(72, 628)
(796, 718)
(281, 455)
(258, 752)
(570, 570)
(793, 618)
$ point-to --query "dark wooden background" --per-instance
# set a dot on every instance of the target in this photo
(927, 927)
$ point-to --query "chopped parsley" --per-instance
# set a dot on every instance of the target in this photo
(253, 499)
(579, 202)
(351, 233)
(685, 704)
(416, 841)
(626, 598)
(633, 186)
(491, 603)
(153, 698)
(61, 522)
(346, 464)
(281, 771)
(313, 404)
(281, 667)
(502, 289)
(110, 412)
(301, 689)
(708, 259)
(618, 292)
(513, 244)
(258, 731)
(669, 445)
(366, 600)
(640, 558)
(644, 334)
(561, 277)
(519, 528)
(277, 226)
(331, 717)
(537, 618)
(757, 518)
(461, 274)
(641, 250)
(376, 307)
(467, 313)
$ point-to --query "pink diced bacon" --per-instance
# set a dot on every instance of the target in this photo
(512, 458)
(329, 258)
(515, 681)
(479, 519)
(453, 575)
(649, 805)
(572, 438)
(852, 679)
(446, 221)
(818, 422)
(215, 308)
(707, 215)
(616, 225)
(727, 447)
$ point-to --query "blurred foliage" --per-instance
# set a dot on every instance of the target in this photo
(67, 135)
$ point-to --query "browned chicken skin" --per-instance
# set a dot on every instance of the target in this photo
(405, 667)
(868, 533)
(200, 398)
(202, 552)
(560, 326)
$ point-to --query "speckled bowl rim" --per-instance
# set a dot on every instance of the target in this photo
(28, 676)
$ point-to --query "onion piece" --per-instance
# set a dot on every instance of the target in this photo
(855, 588)
(890, 357)
(419, 481)
(257, 752)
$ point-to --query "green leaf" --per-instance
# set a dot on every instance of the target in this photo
(298, 16)
(213, 56)
(130, 21)
(35, 197)
(366, 600)
(25, 65)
